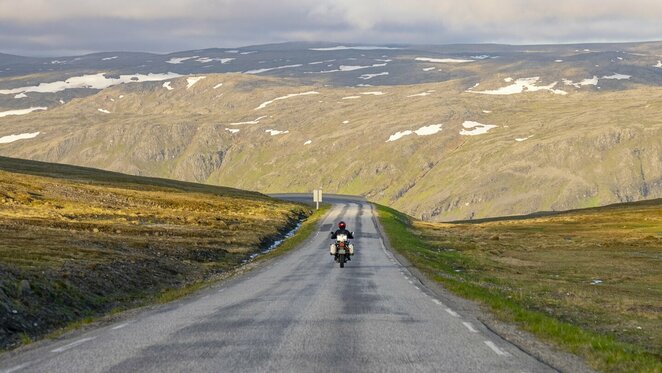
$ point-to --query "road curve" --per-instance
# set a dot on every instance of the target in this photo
(300, 312)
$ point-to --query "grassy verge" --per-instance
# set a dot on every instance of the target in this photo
(168, 295)
(78, 243)
(543, 273)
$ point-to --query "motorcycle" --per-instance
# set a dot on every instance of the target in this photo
(341, 250)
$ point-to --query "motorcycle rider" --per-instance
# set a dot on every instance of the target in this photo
(342, 229)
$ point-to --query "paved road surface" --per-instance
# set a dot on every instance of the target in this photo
(300, 312)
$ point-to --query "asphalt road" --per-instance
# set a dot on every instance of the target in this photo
(298, 313)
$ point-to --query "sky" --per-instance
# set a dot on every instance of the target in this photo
(66, 27)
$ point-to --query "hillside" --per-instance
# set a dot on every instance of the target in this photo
(450, 132)
(588, 280)
(78, 242)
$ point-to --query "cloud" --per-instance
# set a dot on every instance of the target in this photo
(167, 25)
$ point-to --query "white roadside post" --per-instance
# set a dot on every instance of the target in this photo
(317, 197)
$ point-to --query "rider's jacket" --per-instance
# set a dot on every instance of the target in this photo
(335, 234)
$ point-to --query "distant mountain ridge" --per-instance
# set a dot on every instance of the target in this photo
(441, 132)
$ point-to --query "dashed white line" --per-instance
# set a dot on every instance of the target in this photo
(496, 349)
(73, 344)
(119, 326)
(469, 326)
(17, 368)
(452, 313)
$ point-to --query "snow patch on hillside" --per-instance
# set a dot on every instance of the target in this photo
(370, 76)
(255, 121)
(233, 130)
(104, 111)
(259, 71)
(375, 93)
(276, 132)
(22, 136)
(109, 58)
(21, 111)
(178, 60)
(21, 95)
(218, 85)
(167, 86)
(588, 81)
(429, 68)
(345, 68)
(360, 47)
(267, 103)
(308, 142)
(475, 128)
(221, 60)
(95, 81)
(520, 139)
(192, 80)
(423, 131)
(442, 60)
(320, 62)
(659, 64)
(351, 97)
(423, 94)
(522, 85)
(617, 76)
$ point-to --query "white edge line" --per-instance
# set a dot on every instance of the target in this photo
(496, 349)
(17, 368)
(73, 344)
(452, 313)
(120, 326)
(469, 326)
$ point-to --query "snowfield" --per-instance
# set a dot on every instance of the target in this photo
(22, 136)
(475, 128)
(221, 60)
(522, 85)
(362, 47)
(255, 121)
(192, 80)
(423, 94)
(95, 81)
(267, 103)
(423, 131)
(617, 76)
(259, 71)
(442, 60)
(370, 76)
(21, 111)
(589, 81)
(276, 132)
(178, 60)
(345, 68)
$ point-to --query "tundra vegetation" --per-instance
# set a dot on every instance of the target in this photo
(587, 280)
(76, 243)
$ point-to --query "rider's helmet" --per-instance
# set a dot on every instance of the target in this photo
(342, 225)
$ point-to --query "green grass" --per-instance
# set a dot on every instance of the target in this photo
(470, 261)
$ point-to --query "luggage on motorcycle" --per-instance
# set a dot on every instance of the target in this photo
(332, 249)
(351, 249)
